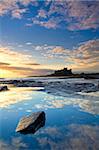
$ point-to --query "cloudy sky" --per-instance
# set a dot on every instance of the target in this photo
(37, 37)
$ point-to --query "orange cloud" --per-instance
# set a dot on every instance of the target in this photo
(16, 64)
(85, 57)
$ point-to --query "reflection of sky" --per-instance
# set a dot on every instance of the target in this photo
(15, 144)
(89, 103)
(72, 137)
(66, 124)
(15, 95)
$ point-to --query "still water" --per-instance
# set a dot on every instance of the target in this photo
(71, 124)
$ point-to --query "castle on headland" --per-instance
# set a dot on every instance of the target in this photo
(62, 72)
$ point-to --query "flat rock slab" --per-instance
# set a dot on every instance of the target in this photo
(31, 123)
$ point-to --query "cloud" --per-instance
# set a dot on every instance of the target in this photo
(44, 47)
(15, 68)
(14, 64)
(51, 23)
(78, 15)
(17, 13)
(33, 64)
(85, 57)
(27, 2)
(42, 13)
(13, 7)
(72, 15)
(28, 43)
(4, 64)
(85, 15)
(8, 55)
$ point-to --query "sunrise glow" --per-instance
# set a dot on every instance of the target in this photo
(51, 37)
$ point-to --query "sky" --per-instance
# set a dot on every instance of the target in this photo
(38, 37)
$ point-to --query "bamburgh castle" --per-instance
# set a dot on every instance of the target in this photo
(63, 72)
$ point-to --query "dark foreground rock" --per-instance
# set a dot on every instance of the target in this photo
(31, 123)
(3, 88)
(23, 83)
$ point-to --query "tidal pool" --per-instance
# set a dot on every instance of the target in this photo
(71, 123)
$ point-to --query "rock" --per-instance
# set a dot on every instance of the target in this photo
(27, 83)
(23, 83)
(70, 87)
(31, 123)
(3, 88)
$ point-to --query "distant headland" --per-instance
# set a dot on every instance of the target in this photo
(62, 72)
(65, 72)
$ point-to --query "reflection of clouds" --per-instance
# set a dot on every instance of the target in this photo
(29, 110)
(16, 144)
(14, 96)
(72, 137)
(89, 104)
(51, 131)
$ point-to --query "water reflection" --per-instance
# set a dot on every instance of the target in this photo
(88, 102)
(17, 143)
(71, 137)
(16, 95)
(71, 123)
(89, 105)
